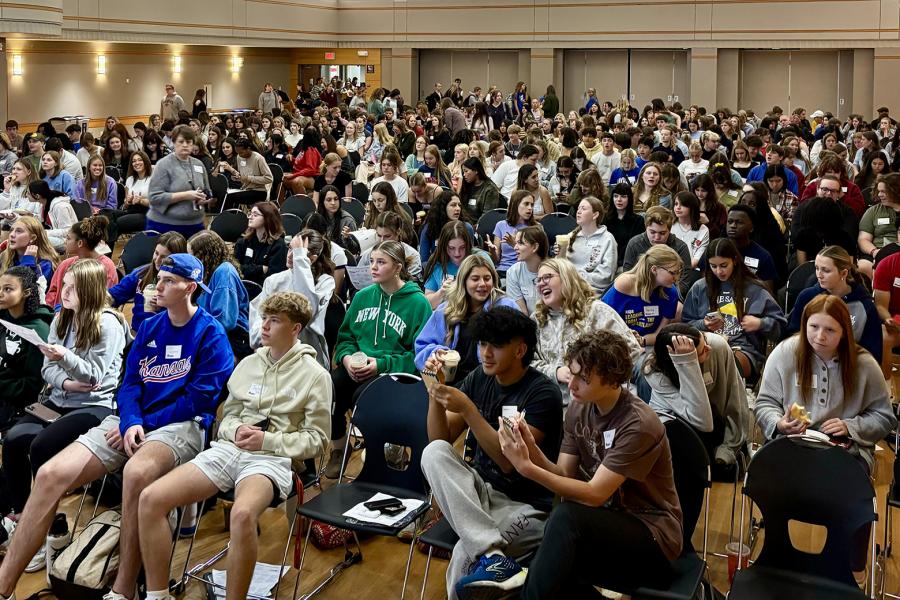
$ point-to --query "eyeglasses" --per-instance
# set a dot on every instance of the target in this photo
(677, 273)
(545, 279)
(255, 213)
(826, 190)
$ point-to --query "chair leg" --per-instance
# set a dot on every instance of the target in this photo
(287, 547)
(412, 545)
(350, 559)
(425, 576)
(302, 560)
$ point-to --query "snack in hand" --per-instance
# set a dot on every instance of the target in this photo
(799, 412)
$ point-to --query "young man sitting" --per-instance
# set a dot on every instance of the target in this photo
(169, 386)
(494, 510)
(622, 528)
(277, 414)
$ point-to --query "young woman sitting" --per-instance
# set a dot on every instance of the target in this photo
(528, 179)
(261, 252)
(225, 297)
(519, 215)
(377, 336)
(454, 245)
(20, 362)
(445, 209)
(836, 275)
(81, 242)
(56, 212)
(693, 376)
(14, 200)
(568, 307)
(713, 213)
(532, 248)
(478, 193)
(53, 173)
(139, 286)
(82, 365)
(591, 247)
(339, 222)
(383, 199)
(687, 226)
(98, 189)
(391, 226)
(476, 288)
(621, 220)
(28, 245)
(732, 302)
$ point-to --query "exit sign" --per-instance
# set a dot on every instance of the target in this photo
(329, 56)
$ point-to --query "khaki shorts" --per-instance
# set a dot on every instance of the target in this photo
(184, 438)
(226, 465)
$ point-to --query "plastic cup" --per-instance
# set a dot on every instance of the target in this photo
(562, 240)
(358, 360)
(450, 360)
(735, 550)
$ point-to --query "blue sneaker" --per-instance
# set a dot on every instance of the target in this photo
(492, 577)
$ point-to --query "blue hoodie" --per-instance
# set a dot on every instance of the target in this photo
(227, 299)
(44, 267)
(434, 334)
(167, 379)
(863, 316)
(126, 291)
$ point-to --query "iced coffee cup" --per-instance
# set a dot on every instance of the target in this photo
(449, 360)
(562, 241)
(358, 360)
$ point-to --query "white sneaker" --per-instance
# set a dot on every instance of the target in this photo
(7, 527)
(111, 595)
(38, 561)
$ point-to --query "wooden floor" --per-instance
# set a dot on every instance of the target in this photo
(380, 573)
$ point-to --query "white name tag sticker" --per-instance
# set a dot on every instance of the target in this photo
(198, 168)
(751, 262)
(173, 352)
(473, 202)
(510, 412)
(248, 253)
(896, 281)
(883, 221)
(256, 390)
(608, 437)
(243, 163)
(814, 381)
(707, 378)
(651, 311)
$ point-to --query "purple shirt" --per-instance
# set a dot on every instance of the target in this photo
(507, 252)
(82, 195)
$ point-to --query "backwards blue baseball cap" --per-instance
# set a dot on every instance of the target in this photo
(187, 266)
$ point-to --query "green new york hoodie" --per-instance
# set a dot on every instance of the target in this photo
(21, 362)
(384, 326)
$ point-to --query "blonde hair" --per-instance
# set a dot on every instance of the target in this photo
(659, 256)
(329, 160)
(577, 294)
(457, 307)
(381, 132)
(90, 286)
(45, 250)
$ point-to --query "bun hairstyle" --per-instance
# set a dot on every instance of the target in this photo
(91, 231)
(394, 251)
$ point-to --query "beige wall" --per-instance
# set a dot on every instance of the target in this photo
(483, 68)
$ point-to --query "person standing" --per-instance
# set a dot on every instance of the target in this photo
(179, 189)
(171, 104)
(268, 99)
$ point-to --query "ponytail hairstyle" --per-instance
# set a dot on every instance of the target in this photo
(90, 285)
(31, 293)
(741, 276)
(318, 244)
(172, 241)
(91, 231)
(843, 262)
(394, 251)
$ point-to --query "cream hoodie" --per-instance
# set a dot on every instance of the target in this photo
(293, 393)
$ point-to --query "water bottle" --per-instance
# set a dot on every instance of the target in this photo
(57, 539)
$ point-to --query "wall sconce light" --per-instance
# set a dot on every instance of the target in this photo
(176, 64)
(17, 65)
(236, 63)
(101, 64)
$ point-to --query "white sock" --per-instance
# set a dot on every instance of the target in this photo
(491, 552)
(158, 595)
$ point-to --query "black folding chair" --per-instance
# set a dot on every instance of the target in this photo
(253, 288)
(292, 224)
(391, 412)
(82, 209)
(360, 192)
(557, 223)
(796, 479)
(299, 205)
(406, 207)
(138, 251)
(487, 222)
(218, 185)
(277, 176)
(355, 208)
(230, 225)
(693, 480)
(802, 277)
(113, 173)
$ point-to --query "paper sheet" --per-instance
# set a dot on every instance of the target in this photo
(29, 335)
(360, 276)
(361, 513)
(265, 576)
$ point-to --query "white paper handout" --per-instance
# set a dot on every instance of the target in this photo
(360, 276)
(29, 335)
(361, 513)
(265, 576)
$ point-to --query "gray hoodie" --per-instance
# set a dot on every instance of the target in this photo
(596, 257)
(172, 175)
(866, 412)
(715, 385)
(100, 364)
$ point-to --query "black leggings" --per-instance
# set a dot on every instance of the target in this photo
(32, 442)
(585, 546)
(346, 391)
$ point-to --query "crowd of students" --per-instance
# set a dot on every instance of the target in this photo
(663, 302)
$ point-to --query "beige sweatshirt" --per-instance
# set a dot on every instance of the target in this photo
(293, 393)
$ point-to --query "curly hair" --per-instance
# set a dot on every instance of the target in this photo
(502, 325)
(295, 306)
(211, 250)
(31, 294)
(603, 354)
(577, 294)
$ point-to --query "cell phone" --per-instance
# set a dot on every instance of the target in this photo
(264, 424)
(379, 505)
(42, 412)
(392, 510)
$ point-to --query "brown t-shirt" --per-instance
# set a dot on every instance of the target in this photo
(630, 441)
